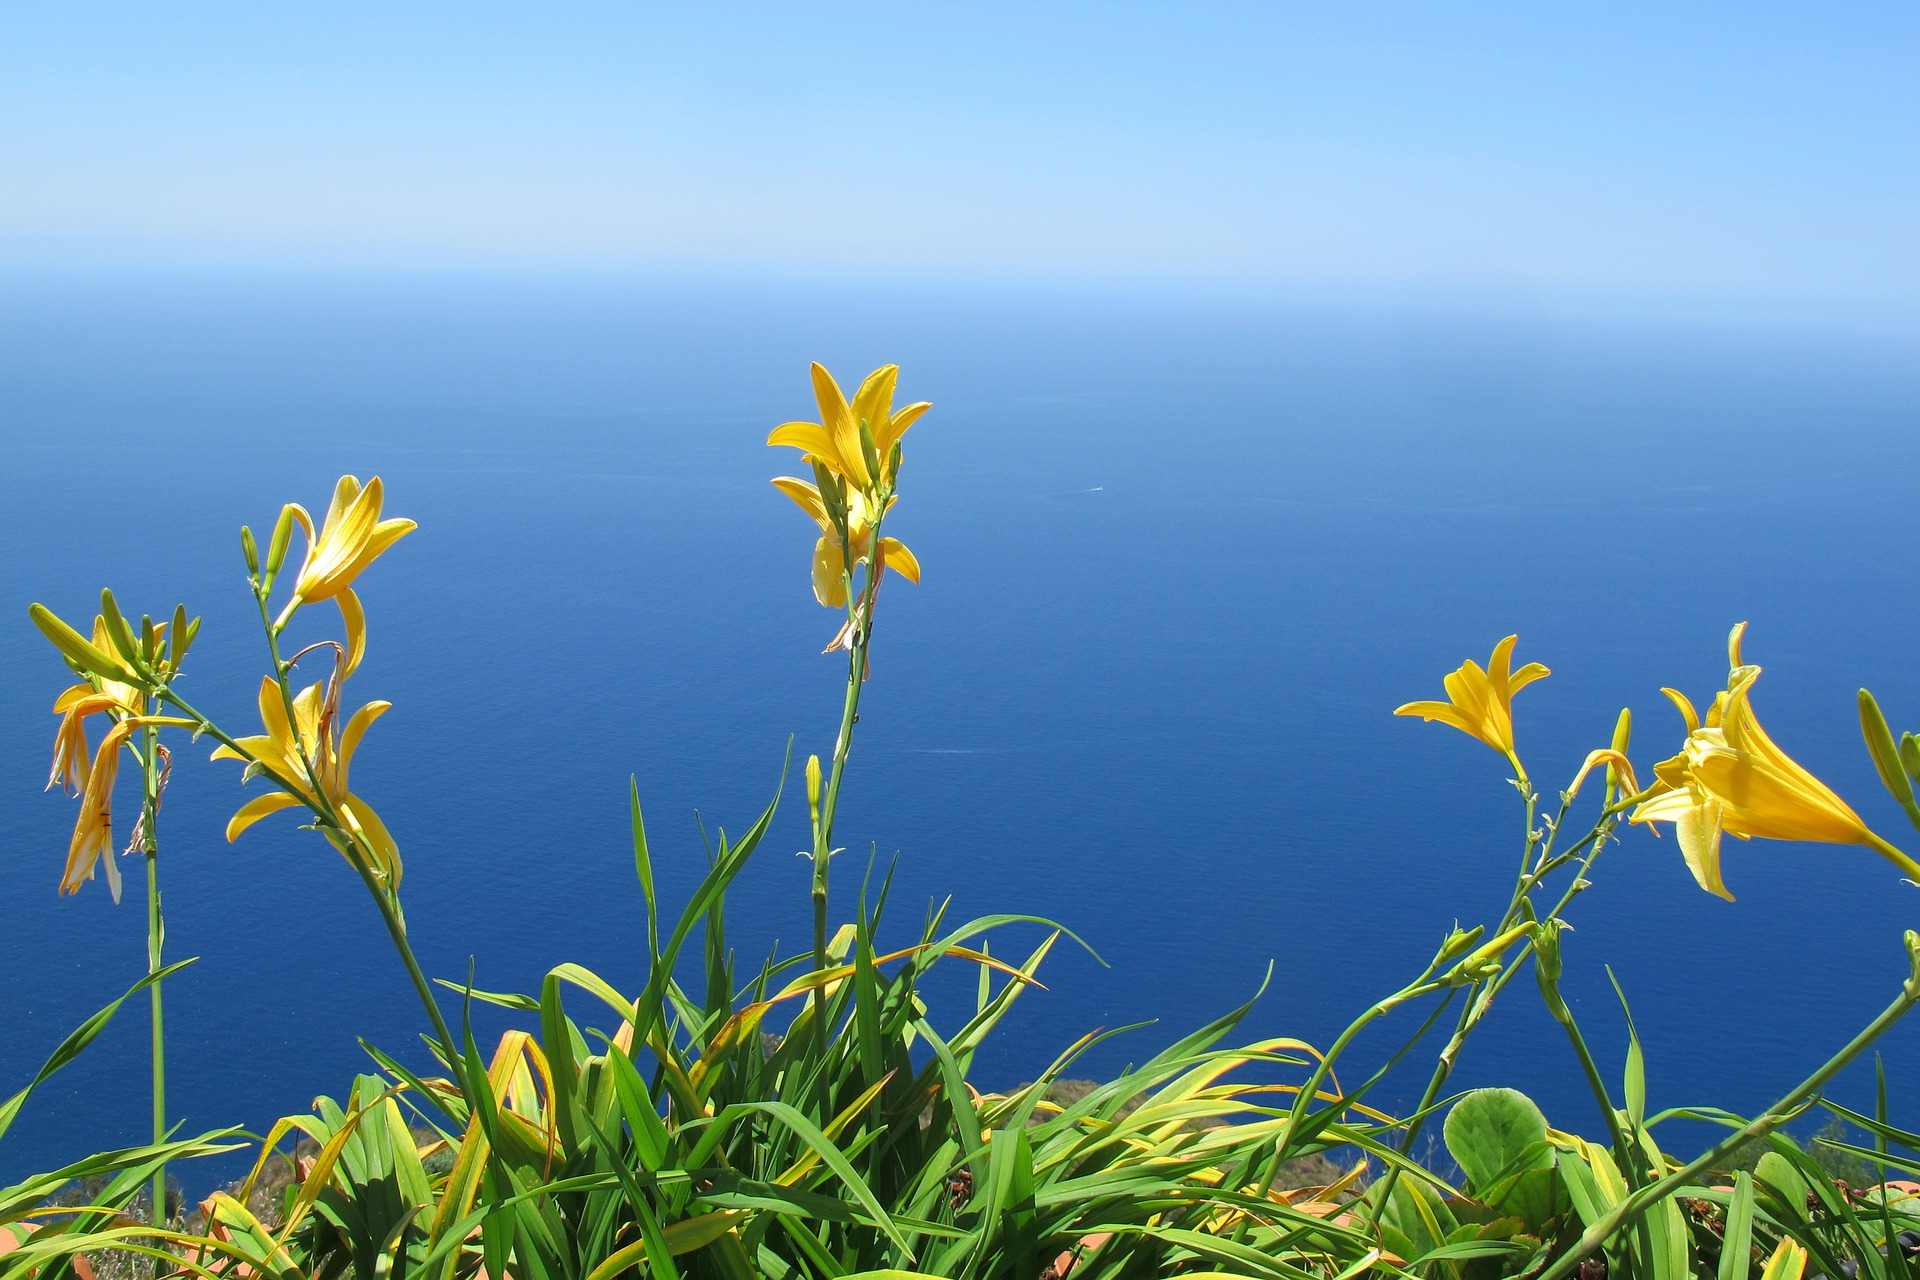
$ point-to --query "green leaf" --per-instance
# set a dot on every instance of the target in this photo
(79, 1038)
(1736, 1248)
(1494, 1133)
(643, 866)
(1635, 1081)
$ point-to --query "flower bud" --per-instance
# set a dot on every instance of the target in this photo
(177, 637)
(251, 551)
(118, 632)
(1622, 731)
(1913, 964)
(1547, 968)
(833, 492)
(1460, 941)
(1886, 756)
(282, 537)
(868, 452)
(76, 649)
(813, 787)
(1485, 960)
(1910, 754)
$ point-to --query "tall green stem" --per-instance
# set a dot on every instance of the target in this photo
(859, 637)
(317, 799)
(397, 930)
(156, 936)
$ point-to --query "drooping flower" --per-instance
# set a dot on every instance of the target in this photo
(1480, 702)
(830, 552)
(1731, 778)
(92, 843)
(314, 734)
(1621, 768)
(91, 775)
(835, 441)
(90, 697)
(72, 757)
(352, 537)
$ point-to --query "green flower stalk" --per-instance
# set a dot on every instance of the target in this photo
(120, 670)
(854, 453)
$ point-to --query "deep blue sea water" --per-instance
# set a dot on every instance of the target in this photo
(1183, 553)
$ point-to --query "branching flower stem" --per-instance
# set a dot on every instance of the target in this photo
(1630, 1209)
(316, 800)
(1480, 996)
(328, 820)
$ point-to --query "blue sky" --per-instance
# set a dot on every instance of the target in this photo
(1678, 149)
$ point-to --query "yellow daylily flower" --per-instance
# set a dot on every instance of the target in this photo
(1480, 702)
(1731, 778)
(835, 440)
(92, 843)
(314, 734)
(352, 537)
(830, 552)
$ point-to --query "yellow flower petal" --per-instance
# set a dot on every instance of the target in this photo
(377, 838)
(1499, 668)
(273, 712)
(345, 490)
(898, 427)
(257, 808)
(1684, 705)
(1524, 677)
(809, 437)
(896, 557)
(837, 417)
(829, 574)
(1445, 712)
(806, 496)
(873, 403)
(350, 738)
(354, 619)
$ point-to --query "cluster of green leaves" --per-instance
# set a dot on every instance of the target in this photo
(666, 1134)
(680, 1137)
(1529, 1190)
(106, 1220)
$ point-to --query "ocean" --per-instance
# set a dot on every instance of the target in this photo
(1185, 549)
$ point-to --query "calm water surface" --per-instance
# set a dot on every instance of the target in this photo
(1183, 556)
